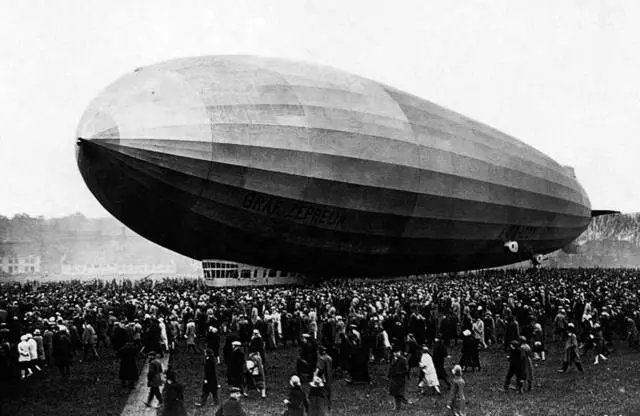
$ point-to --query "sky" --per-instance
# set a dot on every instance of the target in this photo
(561, 76)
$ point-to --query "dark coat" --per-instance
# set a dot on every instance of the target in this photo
(398, 375)
(298, 403)
(173, 400)
(154, 376)
(62, 350)
(236, 368)
(128, 365)
(213, 342)
(210, 375)
(318, 401)
(231, 407)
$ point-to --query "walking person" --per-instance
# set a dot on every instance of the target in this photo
(154, 378)
(428, 375)
(210, 383)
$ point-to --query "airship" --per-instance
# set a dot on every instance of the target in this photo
(306, 168)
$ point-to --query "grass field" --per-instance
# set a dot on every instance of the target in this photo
(612, 388)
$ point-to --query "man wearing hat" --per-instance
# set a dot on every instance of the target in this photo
(398, 376)
(232, 406)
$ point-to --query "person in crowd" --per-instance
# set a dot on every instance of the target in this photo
(439, 356)
(190, 335)
(237, 367)
(296, 402)
(469, 358)
(398, 376)
(89, 338)
(63, 352)
(255, 374)
(24, 357)
(539, 351)
(457, 405)
(257, 344)
(210, 382)
(526, 365)
(413, 353)
(318, 398)
(632, 335)
(173, 394)
(324, 370)
(213, 342)
(571, 351)
(308, 355)
(39, 340)
(128, 371)
(154, 378)
(478, 330)
(515, 366)
(559, 325)
(33, 353)
(598, 344)
(232, 406)
(428, 375)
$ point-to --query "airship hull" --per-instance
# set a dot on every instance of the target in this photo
(305, 168)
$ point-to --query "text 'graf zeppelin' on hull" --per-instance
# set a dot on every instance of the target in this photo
(305, 168)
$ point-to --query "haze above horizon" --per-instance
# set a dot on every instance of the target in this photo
(560, 76)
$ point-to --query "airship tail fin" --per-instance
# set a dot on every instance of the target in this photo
(599, 212)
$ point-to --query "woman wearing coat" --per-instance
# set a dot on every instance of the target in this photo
(318, 398)
(297, 403)
(428, 375)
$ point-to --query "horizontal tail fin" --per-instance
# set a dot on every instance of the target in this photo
(599, 212)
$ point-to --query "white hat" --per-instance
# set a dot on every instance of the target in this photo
(236, 343)
(466, 332)
(294, 381)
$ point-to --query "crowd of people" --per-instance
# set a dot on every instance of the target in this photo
(341, 328)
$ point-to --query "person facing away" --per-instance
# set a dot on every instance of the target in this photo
(154, 378)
